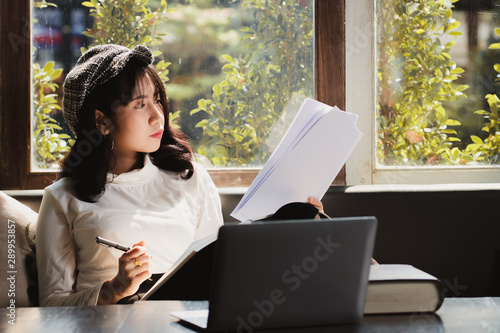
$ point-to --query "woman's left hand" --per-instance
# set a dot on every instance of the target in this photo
(316, 203)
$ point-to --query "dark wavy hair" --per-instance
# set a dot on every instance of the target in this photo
(91, 157)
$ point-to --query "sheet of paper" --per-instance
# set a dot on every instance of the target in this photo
(309, 112)
(305, 163)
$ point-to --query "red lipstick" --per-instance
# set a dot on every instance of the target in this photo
(158, 134)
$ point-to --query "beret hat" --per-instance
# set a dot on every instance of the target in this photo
(95, 67)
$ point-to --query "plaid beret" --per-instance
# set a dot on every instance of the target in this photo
(95, 67)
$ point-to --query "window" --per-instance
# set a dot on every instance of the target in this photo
(230, 68)
(15, 159)
(369, 82)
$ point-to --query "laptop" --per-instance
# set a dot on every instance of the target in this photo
(283, 274)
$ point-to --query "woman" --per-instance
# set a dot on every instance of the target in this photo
(129, 178)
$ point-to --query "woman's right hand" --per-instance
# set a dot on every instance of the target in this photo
(133, 269)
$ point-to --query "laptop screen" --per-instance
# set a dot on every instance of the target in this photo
(290, 273)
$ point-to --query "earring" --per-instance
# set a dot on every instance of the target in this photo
(112, 142)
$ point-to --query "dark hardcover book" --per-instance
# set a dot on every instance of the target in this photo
(402, 289)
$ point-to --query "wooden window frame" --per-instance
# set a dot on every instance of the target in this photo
(361, 73)
(15, 87)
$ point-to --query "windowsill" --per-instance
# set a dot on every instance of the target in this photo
(23, 193)
(334, 189)
(416, 188)
(390, 188)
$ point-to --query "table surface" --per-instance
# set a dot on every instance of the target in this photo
(455, 315)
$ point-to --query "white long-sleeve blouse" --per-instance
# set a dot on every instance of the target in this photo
(149, 204)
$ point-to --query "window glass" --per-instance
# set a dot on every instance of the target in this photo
(229, 67)
(437, 82)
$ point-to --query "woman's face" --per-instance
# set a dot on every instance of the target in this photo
(139, 124)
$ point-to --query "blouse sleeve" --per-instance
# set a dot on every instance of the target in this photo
(55, 257)
(210, 215)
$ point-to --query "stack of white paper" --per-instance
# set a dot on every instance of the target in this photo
(305, 163)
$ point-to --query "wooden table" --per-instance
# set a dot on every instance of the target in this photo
(456, 315)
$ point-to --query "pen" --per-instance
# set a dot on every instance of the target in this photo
(108, 243)
(118, 246)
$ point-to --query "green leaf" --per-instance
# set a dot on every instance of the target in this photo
(457, 70)
(55, 74)
(48, 66)
(473, 146)
(202, 123)
(88, 4)
(447, 55)
(217, 90)
(448, 131)
(476, 139)
(481, 112)
(452, 122)
(455, 33)
(228, 58)
(228, 69)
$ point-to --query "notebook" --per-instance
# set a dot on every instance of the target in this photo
(287, 274)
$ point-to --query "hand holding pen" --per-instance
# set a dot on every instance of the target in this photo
(133, 269)
(118, 246)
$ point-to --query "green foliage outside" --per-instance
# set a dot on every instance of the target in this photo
(416, 75)
(50, 145)
(129, 23)
(257, 85)
(416, 78)
(488, 150)
(248, 102)
(198, 35)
